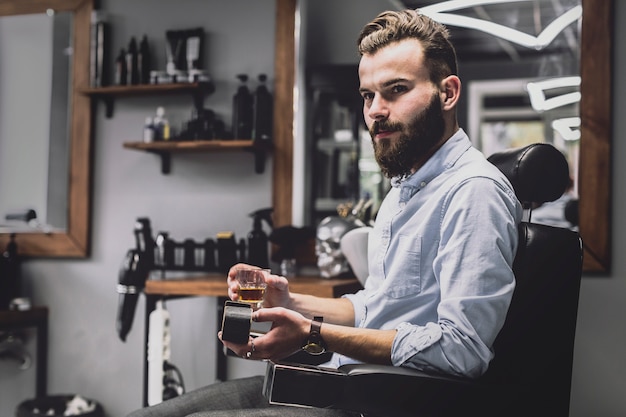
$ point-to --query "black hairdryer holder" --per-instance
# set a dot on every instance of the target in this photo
(207, 256)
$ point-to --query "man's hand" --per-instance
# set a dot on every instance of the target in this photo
(276, 294)
(286, 336)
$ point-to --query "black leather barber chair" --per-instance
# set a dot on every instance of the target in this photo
(531, 372)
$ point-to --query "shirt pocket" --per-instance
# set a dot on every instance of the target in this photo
(403, 272)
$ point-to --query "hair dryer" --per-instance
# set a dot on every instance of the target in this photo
(132, 276)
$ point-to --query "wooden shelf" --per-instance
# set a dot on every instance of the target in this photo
(108, 94)
(193, 145)
(121, 90)
(215, 285)
(14, 319)
(165, 148)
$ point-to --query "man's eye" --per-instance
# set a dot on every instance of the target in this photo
(367, 96)
(398, 89)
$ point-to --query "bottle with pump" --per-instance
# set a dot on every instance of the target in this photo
(242, 110)
(258, 246)
(263, 111)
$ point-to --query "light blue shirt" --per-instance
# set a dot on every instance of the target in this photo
(440, 263)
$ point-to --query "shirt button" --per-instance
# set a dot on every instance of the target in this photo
(422, 184)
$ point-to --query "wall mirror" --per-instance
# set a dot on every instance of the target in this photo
(65, 121)
(594, 160)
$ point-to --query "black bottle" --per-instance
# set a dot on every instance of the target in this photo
(143, 61)
(120, 68)
(131, 63)
(242, 110)
(263, 111)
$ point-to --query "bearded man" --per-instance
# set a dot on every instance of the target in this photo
(440, 254)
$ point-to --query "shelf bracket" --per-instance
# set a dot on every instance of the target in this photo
(108, 106)
(259, 149)
(198, 100)
(259, 161)
(166, 161)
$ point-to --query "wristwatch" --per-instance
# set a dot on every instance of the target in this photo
(314, 344)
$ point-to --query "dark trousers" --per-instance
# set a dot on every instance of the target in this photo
(239, 397)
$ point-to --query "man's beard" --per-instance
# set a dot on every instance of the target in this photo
(399, 157)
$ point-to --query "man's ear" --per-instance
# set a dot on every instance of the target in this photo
(450, 88)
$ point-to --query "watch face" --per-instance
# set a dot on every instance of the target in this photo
(313, 348)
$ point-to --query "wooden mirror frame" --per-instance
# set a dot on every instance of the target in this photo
(74, 242)
(595, 175)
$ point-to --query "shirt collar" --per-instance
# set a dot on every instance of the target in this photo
(444, 158)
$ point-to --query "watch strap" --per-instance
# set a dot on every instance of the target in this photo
(316, 325)
(315, 343)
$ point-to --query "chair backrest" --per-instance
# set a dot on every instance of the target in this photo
(534, 350)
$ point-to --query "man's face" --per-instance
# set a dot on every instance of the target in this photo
(400, 156)
(402, 107)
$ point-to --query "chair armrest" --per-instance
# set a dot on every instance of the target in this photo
(303, 385)
(372, 389)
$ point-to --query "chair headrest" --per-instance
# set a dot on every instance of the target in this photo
(538, 172)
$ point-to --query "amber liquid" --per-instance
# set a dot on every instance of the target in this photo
(251, 294)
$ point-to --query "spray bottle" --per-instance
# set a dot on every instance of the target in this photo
(258, 246)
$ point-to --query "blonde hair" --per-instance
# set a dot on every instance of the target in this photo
(394, 26)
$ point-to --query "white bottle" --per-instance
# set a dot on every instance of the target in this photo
(148, 130)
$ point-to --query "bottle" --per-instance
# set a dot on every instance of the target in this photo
(161, 125)
(143, 61)
(258, 243)
(132, 72)
(242, 110)
(148, 130)
(120, 68)
(99, 51)
(263, 106)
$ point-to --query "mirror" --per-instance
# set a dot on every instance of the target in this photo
(32, 129)
(71, 239)
(594, 181)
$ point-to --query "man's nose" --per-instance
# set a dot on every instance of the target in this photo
(379, 109)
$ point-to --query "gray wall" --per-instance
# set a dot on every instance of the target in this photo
(204, 194)
(208, 193)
